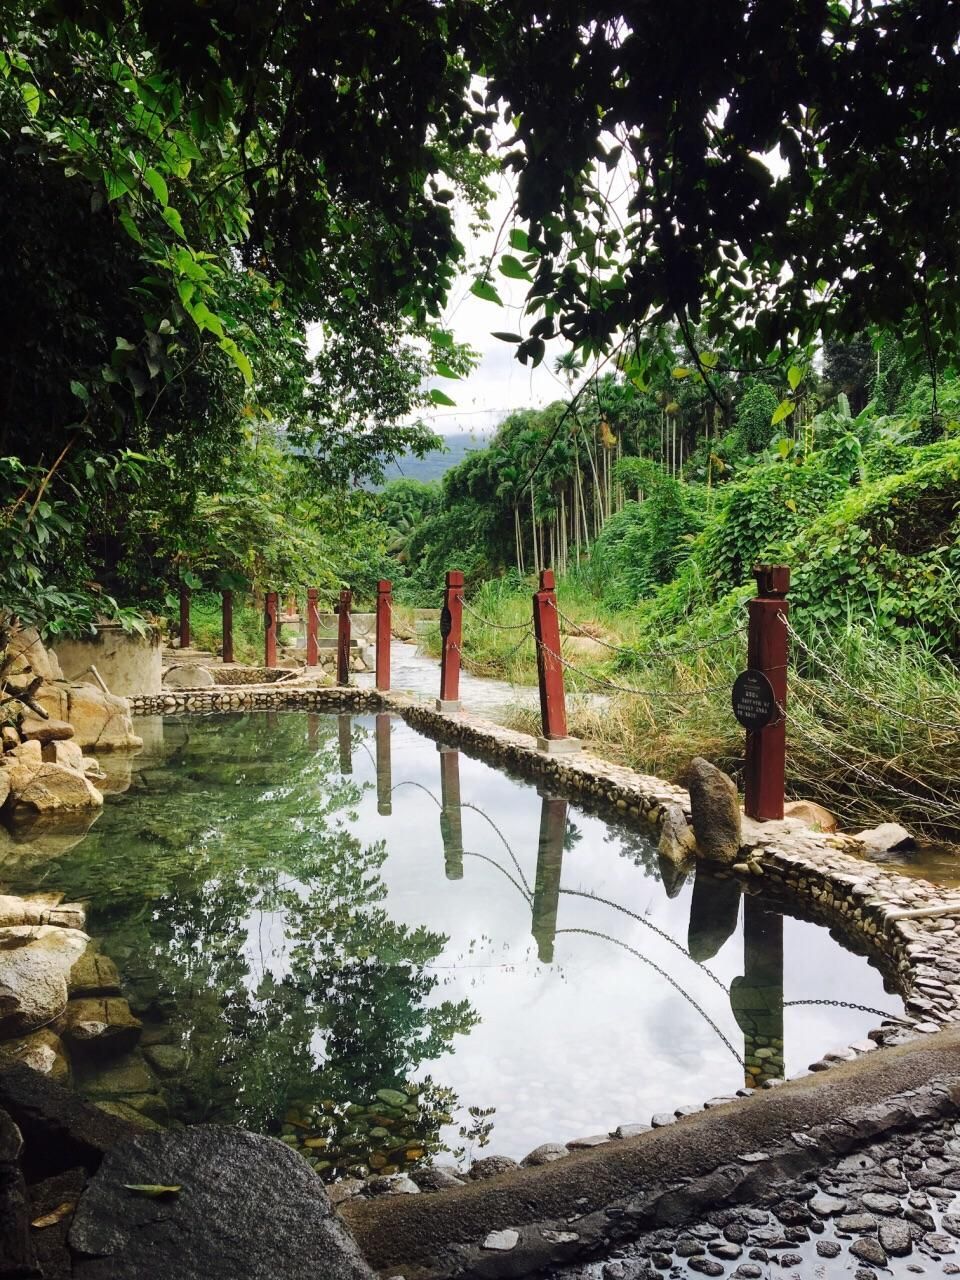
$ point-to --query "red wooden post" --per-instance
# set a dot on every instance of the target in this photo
(451, 824)
(451, 632)
(553, 706)
(384, 772)
(184, 616)
(227, 613)
(767, 652)
(384, 611)
(343, 638)
(313, 622)
(270, 630)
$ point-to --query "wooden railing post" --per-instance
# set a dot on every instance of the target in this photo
(184, 616)
(451, 633)
(553, 706)
(313, 623)
(226, 610)
(766, 754)
(384, 767)
(271, 609)
(451, 823)
(343, 638)
(384, 618)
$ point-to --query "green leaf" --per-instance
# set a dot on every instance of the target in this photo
(130, 227)
(485, 290)
(173, 220)
(157, 185)
(709, 359)
(519, 240)
(239, 359)
(31, 97)
(204, 318)
(124, 345)
(507, 337)
(783, 410)
(445, 371)
(681, 372)
(80, 391)
(513, 268)
(794, 377)
(440, 397)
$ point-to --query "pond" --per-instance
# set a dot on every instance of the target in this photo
(335, 930)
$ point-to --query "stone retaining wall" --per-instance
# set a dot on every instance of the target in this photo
(813, 873)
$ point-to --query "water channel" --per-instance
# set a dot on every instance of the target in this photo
(336, 930)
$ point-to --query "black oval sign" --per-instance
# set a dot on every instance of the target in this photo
(446, 622)
(754, 702)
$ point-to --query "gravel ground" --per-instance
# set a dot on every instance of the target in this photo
(892, 1209)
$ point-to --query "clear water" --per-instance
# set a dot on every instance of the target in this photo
(317, 910)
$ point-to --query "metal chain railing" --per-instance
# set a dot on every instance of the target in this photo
(656, 649)
(859, 693)
(497, 626)
(840, 1004)
(603, 683)
(943, 806)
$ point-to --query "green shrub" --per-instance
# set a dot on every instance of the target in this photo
(756, 408)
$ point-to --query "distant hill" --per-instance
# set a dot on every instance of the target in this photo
(433, 466)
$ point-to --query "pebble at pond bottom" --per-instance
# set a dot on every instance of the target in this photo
(891, 1209)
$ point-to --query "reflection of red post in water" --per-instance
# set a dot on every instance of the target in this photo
(345, 743)
(227, 616)
(384, 779)
(184, 616)
(313, 623)
(451, 633)
(546, 888)
(451, 825)
(757, 998)
(313, 727)
(766, 752)
(270, 630)
(343, 638)
(384, 612)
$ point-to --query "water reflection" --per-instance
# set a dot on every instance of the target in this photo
(451, 820)
(273, 895)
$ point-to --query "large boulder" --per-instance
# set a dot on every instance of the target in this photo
(885, 838)
(811, 814)
(20, 766)
(29, 654)
(35, 964)
(101, 1026)
(677, 842)
(246, 1206)
(33, 729)
(189, 675)
(41, 1051)
(68, 753)
(54, 787)
(99, 719)
(40, 908)
(715, 809)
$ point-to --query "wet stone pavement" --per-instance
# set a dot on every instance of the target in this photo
(892, 1209)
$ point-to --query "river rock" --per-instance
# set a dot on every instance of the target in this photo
(54, 787)
(35, 963)
(248, 1206)
(99, 719)
(677, 841)
(40, 909)
(27, 652)
(33, 729)
(885, 838)
(66, 752)
(715, 809)
(94, 975)
(21, 764)
(40, 1051)
(101, 1025)
(491, 1167)
(546, 1153)
(189, 675)
(811, 814)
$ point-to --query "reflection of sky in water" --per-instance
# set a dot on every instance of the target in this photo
(597, 1037)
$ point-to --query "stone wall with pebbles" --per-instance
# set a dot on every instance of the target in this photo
(910, 927)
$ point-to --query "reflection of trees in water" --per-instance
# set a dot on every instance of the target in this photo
(235, 845)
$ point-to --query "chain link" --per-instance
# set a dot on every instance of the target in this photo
(497, 626)
(840, 1004)
(660, 652)
(859, 693)
(623, 688)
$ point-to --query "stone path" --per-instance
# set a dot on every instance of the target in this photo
(890, 1208)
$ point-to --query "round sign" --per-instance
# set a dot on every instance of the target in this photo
(754, 702)
(446, 622)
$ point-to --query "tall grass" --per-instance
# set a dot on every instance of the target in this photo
(873, 727)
